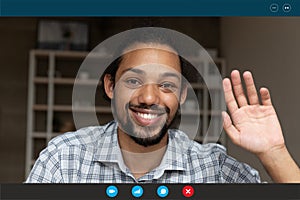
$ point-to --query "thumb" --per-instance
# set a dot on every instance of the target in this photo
(229, 128)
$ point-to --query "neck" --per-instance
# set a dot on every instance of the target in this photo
(140, 159)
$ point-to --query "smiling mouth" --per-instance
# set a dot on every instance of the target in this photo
(147, 117)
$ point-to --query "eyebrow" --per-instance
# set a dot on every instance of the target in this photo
(168, 74)
(135, 70)
(139, 71)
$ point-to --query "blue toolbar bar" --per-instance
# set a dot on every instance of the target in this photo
(150, 7)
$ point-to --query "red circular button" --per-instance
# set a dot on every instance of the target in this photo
(188, 191)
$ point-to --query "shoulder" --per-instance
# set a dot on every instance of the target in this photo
(62, 159)
(230, 170)
(194, 148)
(209, 149)
(84, 139)
(213, 158)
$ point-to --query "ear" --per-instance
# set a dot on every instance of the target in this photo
(183, 94)
(109, 85)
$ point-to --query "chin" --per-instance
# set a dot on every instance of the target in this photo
(153, 140)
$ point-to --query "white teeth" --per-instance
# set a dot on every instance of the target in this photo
(147, 116)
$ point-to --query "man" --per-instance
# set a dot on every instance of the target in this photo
(146, 89)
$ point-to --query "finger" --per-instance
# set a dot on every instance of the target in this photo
(238, 88)
(265, 97)
(229, 97)
(231, 131)
(251, 89)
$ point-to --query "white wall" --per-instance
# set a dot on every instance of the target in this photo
(270, 48)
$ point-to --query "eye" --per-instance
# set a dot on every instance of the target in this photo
(168, 87)
(133, 82)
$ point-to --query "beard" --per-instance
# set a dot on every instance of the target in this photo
(153, 139)
(143, 135)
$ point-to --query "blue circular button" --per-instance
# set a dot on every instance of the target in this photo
(274, 7)
(162, 191)
(286, 7)
(137, 191)
(111, 191)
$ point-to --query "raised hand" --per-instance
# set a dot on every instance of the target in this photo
(251, 124)
(255, 127)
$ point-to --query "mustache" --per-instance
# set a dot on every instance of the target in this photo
(153, 107)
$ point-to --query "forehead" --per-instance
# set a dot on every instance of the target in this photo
(145, 55)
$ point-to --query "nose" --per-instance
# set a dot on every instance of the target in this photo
(149, 94)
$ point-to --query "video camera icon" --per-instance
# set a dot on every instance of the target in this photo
(112, 191)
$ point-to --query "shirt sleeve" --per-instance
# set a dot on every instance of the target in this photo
(233, 171)
(47, 167)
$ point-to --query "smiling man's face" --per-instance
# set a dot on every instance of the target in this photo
(147, 93)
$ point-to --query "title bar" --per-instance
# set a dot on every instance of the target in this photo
(149, 8)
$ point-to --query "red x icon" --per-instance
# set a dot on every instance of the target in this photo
(188, 191)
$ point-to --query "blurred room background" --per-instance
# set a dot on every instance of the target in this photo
(268, 47)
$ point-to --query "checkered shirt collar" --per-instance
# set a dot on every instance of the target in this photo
(109, 151)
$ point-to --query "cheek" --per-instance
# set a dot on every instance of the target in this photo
(171, 101)
(122, 95)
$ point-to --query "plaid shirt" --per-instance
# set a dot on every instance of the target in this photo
(93, 155)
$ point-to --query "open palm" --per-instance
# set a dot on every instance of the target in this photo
(251, 125)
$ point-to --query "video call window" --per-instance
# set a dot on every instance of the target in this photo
(160, 103)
